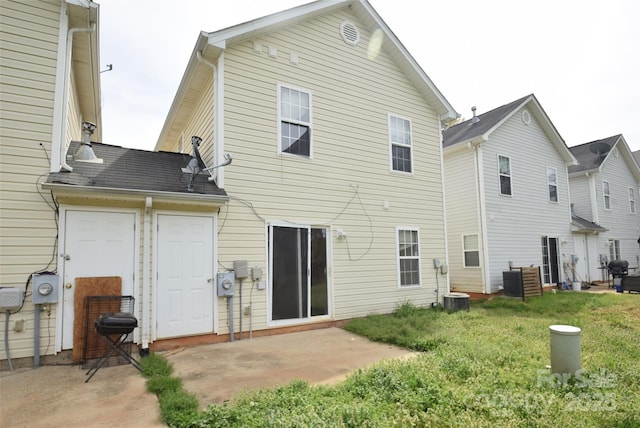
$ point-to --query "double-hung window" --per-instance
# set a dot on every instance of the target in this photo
(294, 120)
(552, 183)
(632, 200)
(504, 171)
(408, 257)
(471, 251)
(400, 141)
(607, 195)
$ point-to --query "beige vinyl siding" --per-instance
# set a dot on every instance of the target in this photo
(29, 39)
(463, 214)
(74, 117)
(515, 224)
(200, 123)
(351, 99)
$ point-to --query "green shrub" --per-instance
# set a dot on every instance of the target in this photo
(178, 408)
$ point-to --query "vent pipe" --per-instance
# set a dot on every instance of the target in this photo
(474, 119)
(84, 152)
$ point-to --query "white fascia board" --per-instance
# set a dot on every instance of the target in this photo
(193, 63)
(265, 23)
(446, 111)
(623, 147)
(111, 193)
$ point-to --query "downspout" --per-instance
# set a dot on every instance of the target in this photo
(593, 196)
(146, 279)
(65, 94)
(486, 277)
(444, 215)
(218, 114)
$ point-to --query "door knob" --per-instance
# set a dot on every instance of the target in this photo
(68, 285)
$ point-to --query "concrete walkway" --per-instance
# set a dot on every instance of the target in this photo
(52, 396)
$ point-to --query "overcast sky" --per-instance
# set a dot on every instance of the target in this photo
(579, 57)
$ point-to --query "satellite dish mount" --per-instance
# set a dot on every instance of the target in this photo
(197, 165)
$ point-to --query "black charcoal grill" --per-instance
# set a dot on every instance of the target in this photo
(114, 329)
(116, 323)
(618, 268)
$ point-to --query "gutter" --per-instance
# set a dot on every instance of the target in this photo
(444, 213)
(218, 114)
(486, 272)
(68, 189)
(65, 94)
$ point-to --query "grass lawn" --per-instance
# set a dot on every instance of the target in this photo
(483, 368)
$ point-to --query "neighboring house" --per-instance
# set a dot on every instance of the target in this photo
(507, 197)
(50, 84)
(335, 189)
(604, 192)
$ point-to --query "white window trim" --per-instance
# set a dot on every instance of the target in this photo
(553, 184)
(614, 249)
(465, 251)
(279, 120)
(510, 176)
(391, 143)
(632, 200)
(398, 258)
(606, 195)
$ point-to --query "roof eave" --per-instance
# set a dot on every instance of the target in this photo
(212, 44)
(92, 11)
(112, 193)
(628, 154)
(445, 110)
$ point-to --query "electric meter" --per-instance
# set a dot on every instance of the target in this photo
(226, 282)
(45, 288)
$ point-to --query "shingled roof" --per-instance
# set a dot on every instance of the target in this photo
(126, 170)
(585, 226)
(590, 155)
(468, 130)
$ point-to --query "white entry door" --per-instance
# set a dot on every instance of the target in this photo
(185, 275)
(95, 244)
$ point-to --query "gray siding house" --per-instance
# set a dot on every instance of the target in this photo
(604, 195)
(507, 197)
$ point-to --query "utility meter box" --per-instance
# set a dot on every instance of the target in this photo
(241, 269)
(226, 283)
(10, 298)
(45, 289)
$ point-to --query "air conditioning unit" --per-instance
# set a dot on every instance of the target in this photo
(10, 298)
(456, 302)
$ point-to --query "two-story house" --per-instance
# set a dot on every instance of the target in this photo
(336, 196)
(507, 197)
(604, 195)
(317, 180)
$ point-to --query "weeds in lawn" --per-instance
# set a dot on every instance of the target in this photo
(483, 368)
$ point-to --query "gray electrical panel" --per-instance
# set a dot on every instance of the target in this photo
(241, 268)
(226, 283)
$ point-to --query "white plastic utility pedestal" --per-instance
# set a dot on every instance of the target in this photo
(565, 349)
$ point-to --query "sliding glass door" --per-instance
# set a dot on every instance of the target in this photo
(299, 272)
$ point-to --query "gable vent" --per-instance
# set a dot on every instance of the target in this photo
(349, 33)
